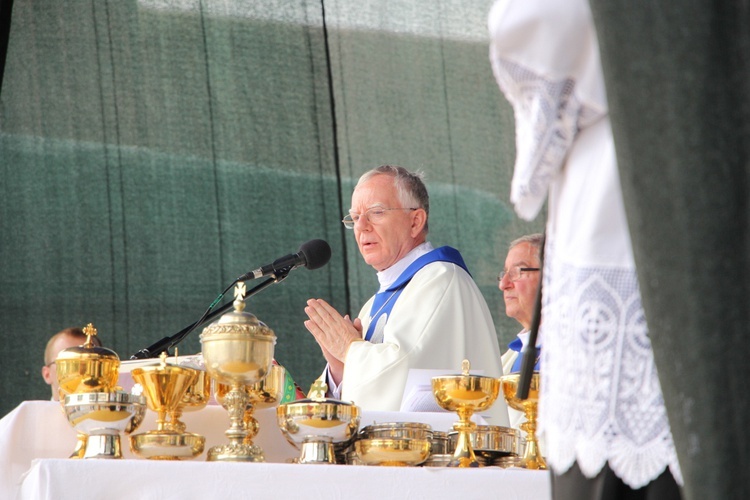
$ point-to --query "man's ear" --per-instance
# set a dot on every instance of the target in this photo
(418, 221)
(47, 375)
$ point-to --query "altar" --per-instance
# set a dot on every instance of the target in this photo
(36, 439)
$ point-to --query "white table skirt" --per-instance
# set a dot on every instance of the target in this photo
(36, 439)
(127, 479)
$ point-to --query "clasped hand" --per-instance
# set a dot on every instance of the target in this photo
(333, 332)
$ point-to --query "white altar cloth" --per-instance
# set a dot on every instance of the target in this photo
(36, 439)
(128, 479)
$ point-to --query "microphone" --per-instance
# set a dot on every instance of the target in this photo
(312, 255)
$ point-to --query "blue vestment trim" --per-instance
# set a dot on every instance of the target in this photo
(517, 345)
(384, 300)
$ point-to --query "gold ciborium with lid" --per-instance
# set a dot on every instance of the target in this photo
(97, 409)
(237, 351)
(532, 458)
(165, 387)
(465, 394)
(317, 425)
(87, 367)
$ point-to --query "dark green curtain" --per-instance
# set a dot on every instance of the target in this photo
(152, 151)
(677, 78)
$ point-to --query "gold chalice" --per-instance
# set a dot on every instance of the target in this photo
(532, 458)
(165, 387)
(465, 394)
(264, 394)
(237, 351)
(317, 425)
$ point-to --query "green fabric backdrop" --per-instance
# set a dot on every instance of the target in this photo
(152, 151)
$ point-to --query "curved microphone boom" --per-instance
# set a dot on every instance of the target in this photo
(312, 255)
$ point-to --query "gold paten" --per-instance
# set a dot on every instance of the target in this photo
(532, 458)
(317, 426)
(237, 351)
(165, 387)
(465, 394)
(95, 407)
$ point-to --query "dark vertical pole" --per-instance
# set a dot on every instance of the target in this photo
(677, 78)
(6, 9)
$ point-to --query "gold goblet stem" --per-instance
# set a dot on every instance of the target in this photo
(464, 454)
(161, 420)
(237, 402)
(532, 459)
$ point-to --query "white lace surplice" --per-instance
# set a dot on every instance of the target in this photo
(601, 400)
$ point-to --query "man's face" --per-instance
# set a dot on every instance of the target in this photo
(384, 243)
(49, 372)
(520, 295)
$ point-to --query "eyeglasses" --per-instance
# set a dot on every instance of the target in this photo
(514, 273)
(373, 215)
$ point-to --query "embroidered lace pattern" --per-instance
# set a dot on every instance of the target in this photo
(548, 116)
(601, 399)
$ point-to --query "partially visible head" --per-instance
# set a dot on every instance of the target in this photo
(520, 287)
(384, 237)
(69, 337)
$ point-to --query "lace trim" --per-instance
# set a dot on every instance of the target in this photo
(601, 399)
(548, 117)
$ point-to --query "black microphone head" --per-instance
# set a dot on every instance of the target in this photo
(317, 253)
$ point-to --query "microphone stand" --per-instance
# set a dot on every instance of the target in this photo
(529, 351)
(165, 344)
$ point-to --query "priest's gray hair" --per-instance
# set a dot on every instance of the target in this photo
(412, 193)
(536, 240)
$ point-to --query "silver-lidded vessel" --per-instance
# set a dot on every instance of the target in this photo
(318, 426)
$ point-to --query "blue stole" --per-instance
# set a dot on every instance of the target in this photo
(517, 345)
(384, 300)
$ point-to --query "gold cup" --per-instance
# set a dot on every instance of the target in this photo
(165, 388)
(532, 458)
(465, 394)
(237, 351)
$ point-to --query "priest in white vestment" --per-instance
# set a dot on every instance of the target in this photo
(427, 314)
